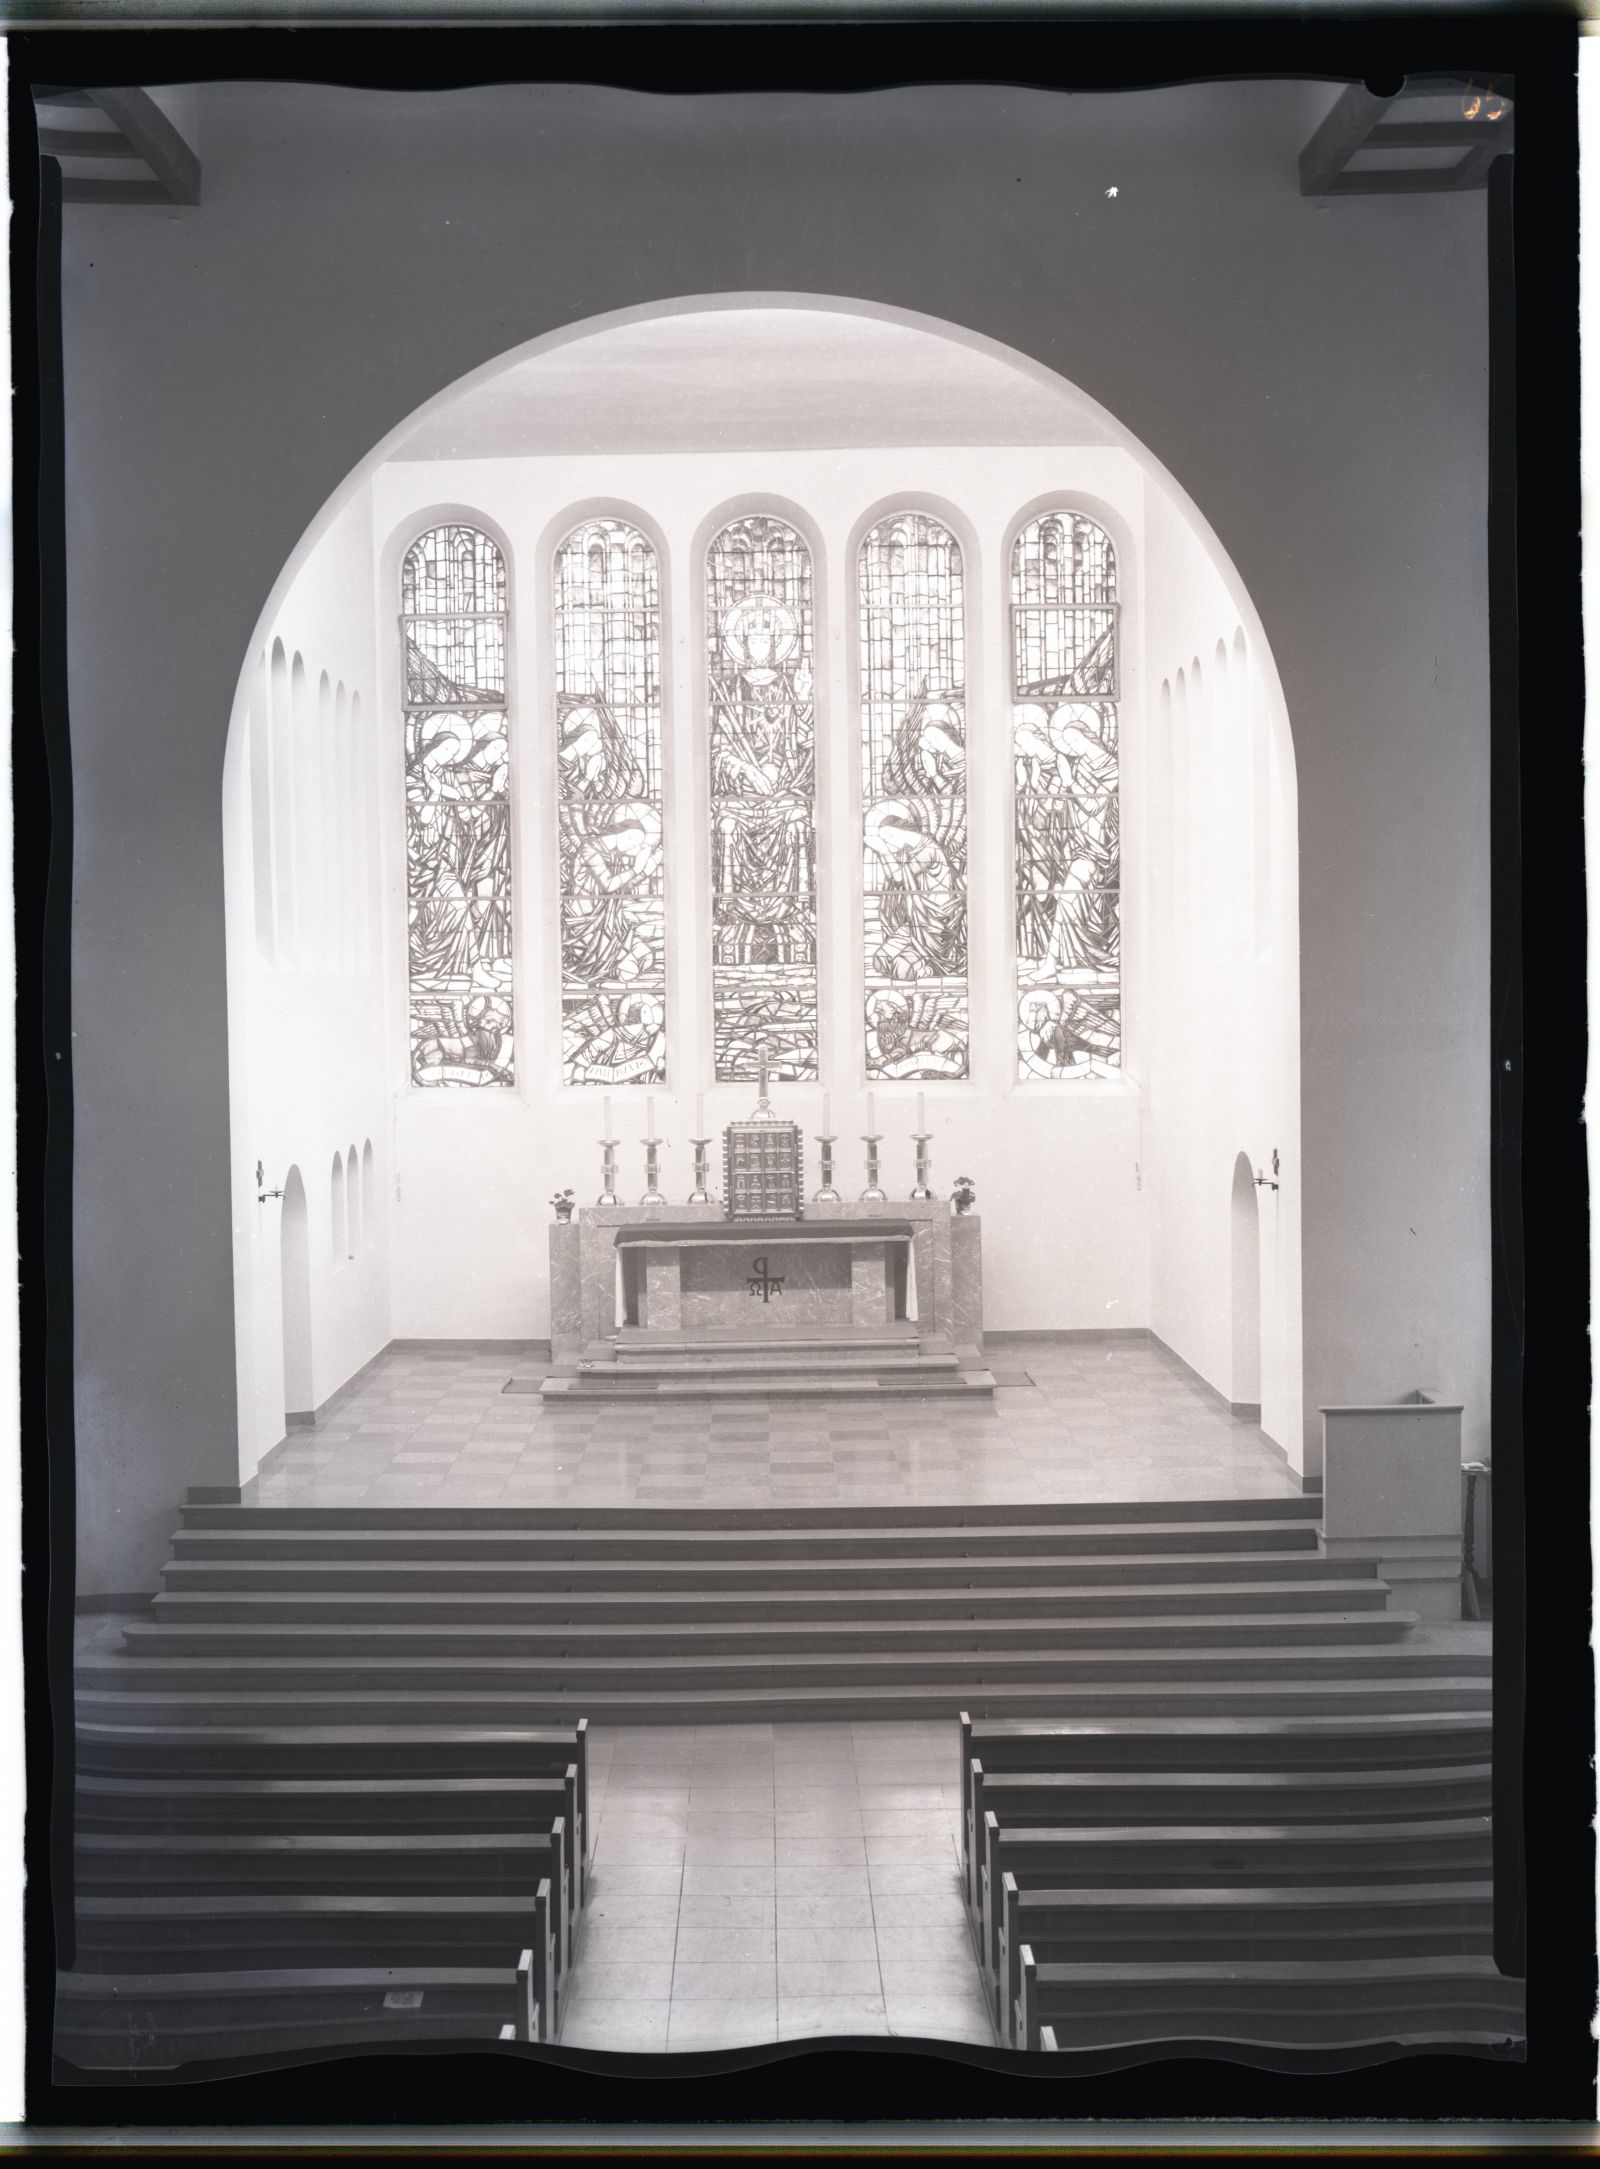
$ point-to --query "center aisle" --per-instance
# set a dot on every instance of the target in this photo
(756, 1883)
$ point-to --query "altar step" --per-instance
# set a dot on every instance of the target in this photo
(780, 1362)
(525, 1615)
(915, 1383)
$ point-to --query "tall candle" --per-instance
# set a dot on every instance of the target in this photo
(608, 1118)
(649, 1118)
(825, 1114)
(872, 1127)
(921, 1124)
(699, 1114)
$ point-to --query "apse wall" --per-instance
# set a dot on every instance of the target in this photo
(1222, 991)
(1057, 1165)
(306, 989)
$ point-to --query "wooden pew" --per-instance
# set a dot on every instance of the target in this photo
(1161, 1858)
(399, 1751)
(126, 1934)
(1064, 1799)
(1194, 1744)
(1315, 2005)
(162, 2020)
(199, 1863)
(313, 1806)
(1225, 1926)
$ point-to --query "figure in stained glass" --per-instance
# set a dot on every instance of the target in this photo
(914, 796)
(608, 776)
(916, 1035)
(458, 819)
(1068, 872)
(763, 795)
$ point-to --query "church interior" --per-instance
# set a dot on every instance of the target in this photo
(799, 1345)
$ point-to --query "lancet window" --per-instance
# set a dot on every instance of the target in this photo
(914, 799)
(608, 768)
(1064, 740)
(759, 640)
(458, 809)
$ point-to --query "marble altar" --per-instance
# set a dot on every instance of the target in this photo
(846, 1267)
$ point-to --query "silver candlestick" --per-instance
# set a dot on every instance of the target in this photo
(873, 1194)
(827, 1195)
(652, 1185)
(920, 1139)
(700, 1194)
(608, 1180)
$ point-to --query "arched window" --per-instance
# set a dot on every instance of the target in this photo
(914, 798)
(352, 1205)
(608, 761)
(369, 1194)
(458, 809)
(763, 799)
(336, 1210)
(1064, 739)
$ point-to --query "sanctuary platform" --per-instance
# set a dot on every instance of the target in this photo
(859, 1299)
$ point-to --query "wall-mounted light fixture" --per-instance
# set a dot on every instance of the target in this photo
(263, 1195)
(1266, 1182)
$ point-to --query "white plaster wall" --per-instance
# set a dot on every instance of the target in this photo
(1057, 1166)
(1217, 822)
(307, 1011)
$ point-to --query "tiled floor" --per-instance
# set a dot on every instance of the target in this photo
(1111, 1419)
(772, 1883)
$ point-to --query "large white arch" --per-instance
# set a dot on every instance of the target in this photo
(1256, 1072)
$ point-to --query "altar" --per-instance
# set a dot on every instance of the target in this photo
(903, 1277)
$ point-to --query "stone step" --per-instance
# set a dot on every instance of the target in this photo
(552, 1647)
(1365, 1698)
(697, 1576)
(429, 1607)
(818, 1363)
(703, 1340)
(771, 1385)
(966, 1514)
(1347, 1662)
(709, 1546)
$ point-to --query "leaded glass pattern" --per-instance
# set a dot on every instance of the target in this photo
(914, 799)
(458, 809)
(759, 641)
(608, 768)
(1064, 743)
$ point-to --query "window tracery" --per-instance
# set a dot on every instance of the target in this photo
(759, 641)
(1065, 747)
(608, 763)
(458, 809)
(914, 796)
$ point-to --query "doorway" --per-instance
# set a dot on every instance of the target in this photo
(1246, 1389)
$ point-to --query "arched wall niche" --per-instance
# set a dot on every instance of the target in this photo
(538, 1134)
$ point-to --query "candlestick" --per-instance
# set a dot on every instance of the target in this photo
(700, 1194)
(608, 1178)
(921, 1139)
(873, 1194)
(827, 1195)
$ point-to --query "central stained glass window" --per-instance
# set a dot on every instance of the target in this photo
(763, 799)
(1064, 743)
(914, 799)
(458, 809)
(608, 763)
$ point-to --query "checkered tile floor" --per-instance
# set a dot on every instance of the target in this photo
(1108, 1420)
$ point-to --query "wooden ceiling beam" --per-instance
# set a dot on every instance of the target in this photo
(84, 143)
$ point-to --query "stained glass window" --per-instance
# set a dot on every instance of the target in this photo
(763, 799)
(1064, 741)
(608, 761)
(458, 809)
(914, 799)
